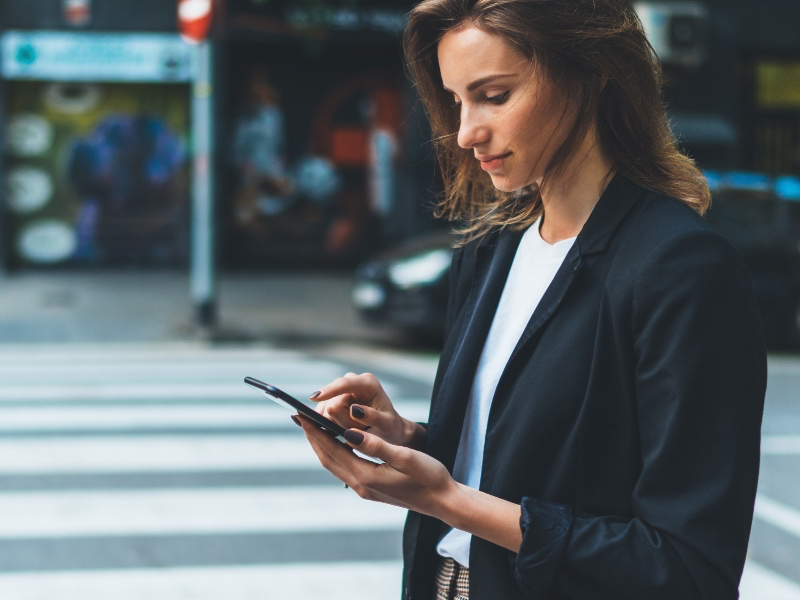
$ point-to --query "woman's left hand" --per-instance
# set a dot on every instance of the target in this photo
(407, 478)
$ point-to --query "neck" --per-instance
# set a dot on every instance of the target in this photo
(569, 199)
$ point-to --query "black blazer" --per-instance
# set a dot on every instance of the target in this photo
(627, 420)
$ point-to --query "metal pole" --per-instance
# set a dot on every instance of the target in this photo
(202, 267)
(3, 200)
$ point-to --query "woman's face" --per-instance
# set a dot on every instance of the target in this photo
(511, 116)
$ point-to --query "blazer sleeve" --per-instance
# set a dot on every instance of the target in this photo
(699, 385)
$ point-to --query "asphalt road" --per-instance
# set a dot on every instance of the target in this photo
(775, 539)
(151, 471)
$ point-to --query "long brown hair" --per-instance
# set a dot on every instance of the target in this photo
(596, 52)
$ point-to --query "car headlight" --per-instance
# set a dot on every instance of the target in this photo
(368, 295)
(420, 269)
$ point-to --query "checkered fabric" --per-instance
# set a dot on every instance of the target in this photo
(452, 580)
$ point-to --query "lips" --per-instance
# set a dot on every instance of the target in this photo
(493, 162)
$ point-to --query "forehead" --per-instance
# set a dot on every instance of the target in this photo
(468, 54)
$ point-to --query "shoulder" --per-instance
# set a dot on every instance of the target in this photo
(664, 228)
(675, 262)
(664, 253)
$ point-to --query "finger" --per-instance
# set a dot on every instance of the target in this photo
(372, 445)
(366, 417)
(364, 387)
(314, 430)
(331, 453)
(328, 391)
(348, 466)
(338, 409)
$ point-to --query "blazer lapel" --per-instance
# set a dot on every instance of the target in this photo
(551, 300)
(620, 196)
(492, 263)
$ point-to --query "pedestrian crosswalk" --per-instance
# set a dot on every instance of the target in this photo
(153, 472)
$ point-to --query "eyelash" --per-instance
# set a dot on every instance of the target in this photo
(498, 99)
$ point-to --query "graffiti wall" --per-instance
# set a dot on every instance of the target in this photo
(96, 173)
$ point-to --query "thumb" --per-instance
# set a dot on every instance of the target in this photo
(372, 445)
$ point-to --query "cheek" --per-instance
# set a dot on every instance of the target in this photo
(545, 113)
(537, 121)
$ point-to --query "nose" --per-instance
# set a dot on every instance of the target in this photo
(471, 131)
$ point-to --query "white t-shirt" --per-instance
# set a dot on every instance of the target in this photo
(535, 265)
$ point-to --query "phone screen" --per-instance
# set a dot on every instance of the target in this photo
(294, 404)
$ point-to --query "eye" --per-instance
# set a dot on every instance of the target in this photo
(498, 98)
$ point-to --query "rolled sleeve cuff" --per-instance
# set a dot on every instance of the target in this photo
(545, 530)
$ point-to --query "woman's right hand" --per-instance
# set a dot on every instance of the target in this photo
(359, 402)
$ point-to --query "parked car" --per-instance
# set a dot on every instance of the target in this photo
(760, 215)
(407, 286)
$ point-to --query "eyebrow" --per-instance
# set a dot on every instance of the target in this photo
(483, 81)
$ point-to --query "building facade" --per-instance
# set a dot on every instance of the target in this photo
(321, 149)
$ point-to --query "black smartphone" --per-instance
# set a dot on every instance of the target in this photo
(292, 403)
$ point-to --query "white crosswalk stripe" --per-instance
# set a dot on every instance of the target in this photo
(759, 583)
(374, 580)
(155, 453)
(122, 417)
(60, 514)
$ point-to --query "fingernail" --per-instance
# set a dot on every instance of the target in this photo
(357, 411)
(314, 395)
(354, 436)
(296, 420)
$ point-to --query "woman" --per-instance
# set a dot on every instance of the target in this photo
(594, 428)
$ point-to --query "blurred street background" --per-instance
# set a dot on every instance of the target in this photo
(193, 192)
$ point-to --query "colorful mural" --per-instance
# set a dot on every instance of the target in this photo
(96, 173)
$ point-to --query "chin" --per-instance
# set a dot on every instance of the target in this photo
(503, 184)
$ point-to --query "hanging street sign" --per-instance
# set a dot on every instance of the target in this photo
(70, 56)
(77, 12)
(194, 19)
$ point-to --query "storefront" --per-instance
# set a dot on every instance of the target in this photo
(776, 115)
(328, 160)
(732, 80)
(769, 68)
(96, 128)
(96, 145)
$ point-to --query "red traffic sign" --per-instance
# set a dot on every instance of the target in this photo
(194, 19)
(77, 12)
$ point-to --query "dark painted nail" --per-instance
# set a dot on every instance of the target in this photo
(314, 395)
(354, 436)
(296, 420)
(357, 411)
